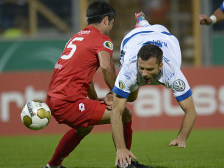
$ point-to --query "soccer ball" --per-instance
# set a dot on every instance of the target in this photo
(35, 115)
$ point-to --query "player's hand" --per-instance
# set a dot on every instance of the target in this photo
(179, 143)
(205, 20)
(123, 156)
(108, 100)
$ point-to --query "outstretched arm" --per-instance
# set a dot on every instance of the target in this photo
(187, 124)
(123, 154)
(217, 16)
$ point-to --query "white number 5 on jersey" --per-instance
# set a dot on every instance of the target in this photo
(73, 47)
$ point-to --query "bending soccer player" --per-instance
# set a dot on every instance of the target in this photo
(150, 55)
(71, 82)
(216, 17)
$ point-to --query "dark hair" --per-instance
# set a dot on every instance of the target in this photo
(97, 10)
(148, 51)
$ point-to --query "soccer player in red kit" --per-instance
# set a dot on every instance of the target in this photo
(71, 82)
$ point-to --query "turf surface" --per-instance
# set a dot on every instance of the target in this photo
(205, 149)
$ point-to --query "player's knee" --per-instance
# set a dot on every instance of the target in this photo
(127, 115)
(84, 131)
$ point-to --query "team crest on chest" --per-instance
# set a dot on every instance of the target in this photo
(108, 44)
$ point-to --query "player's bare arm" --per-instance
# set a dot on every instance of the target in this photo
(108, 100)
(109, 75)
(206, 20)
(133, 96)
(91, 92)
(187, 124)
(219, 15)
(107, 67)
(123, 154)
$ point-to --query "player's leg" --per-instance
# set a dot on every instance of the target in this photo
(78, 121)
(127, 125)
(68, 143)
(105, 119)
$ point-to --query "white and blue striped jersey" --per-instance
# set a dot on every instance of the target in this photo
(222, 6)
(129, 79)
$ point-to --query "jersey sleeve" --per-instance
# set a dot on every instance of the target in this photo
(180, 86)
(222, 6)
(125, 82)
(104, 43)
(120, 90)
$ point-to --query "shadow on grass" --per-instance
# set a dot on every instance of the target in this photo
(114, 167)
(83, 167)
(89, 167)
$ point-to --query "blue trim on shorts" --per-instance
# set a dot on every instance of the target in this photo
(222, 7)
(184, 96)
(120, 92)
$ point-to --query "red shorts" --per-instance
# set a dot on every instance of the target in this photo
(81, 113)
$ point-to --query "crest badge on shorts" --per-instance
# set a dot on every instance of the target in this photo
(179, 85)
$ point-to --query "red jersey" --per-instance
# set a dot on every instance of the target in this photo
(79, 61)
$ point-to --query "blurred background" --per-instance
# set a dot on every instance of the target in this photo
(53, 22)
(33, 34)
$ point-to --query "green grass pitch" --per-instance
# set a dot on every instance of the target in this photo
(205, 149)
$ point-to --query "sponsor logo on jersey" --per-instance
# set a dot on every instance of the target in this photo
(108, 44)
(157, 43)
(121, 84)
(179, 85)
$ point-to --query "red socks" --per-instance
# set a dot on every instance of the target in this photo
(66, 145)
(128, 134)
(71, 139)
